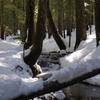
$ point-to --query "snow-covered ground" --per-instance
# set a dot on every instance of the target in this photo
(50, 44)
(15, 75)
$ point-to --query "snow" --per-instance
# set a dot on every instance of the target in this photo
(83, 60)
(75, 70)
(31, 85)
(15, 75)
(11, 86)
(59, 95)
(73, 39)
(50, 45)
(15, 78)
(84, 49)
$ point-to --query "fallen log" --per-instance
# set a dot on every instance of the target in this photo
(51, 85)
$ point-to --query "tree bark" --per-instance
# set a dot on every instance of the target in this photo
(60, 16)
(36, 49)
(15, 20)
(56, 35)
(52, 86)
(69, 21)
(97, 20)
(2, 20)
(80, 23)
(49, 31)
(29, 24)
(23, 35)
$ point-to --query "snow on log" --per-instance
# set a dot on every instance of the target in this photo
(53, 84)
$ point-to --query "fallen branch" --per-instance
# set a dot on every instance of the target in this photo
(52, 86)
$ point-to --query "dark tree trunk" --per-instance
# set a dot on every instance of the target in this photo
(80, 23)
(90, 28)
(2, 32)
(49, 31)
(69, 30)
(14, 22)
(56, 35)
(97, 20)
(29, 24)
(2, 20)
(90, 19)
(38, 37)
(65, 24)
(23, 25)
(60, 16)
(69, 21)
(14, 17)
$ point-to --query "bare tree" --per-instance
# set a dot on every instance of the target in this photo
(36, 49)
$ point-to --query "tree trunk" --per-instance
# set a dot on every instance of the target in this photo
(2, 20)
(60, 16)
(14, 17)
(97, 20)
(36, 49)
(69, 21)
(56, 35)
(23, 25)
(29, 24)
(90, 17)
(80, 23)
(49, 31)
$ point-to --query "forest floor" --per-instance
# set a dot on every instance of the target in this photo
(16, 76)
